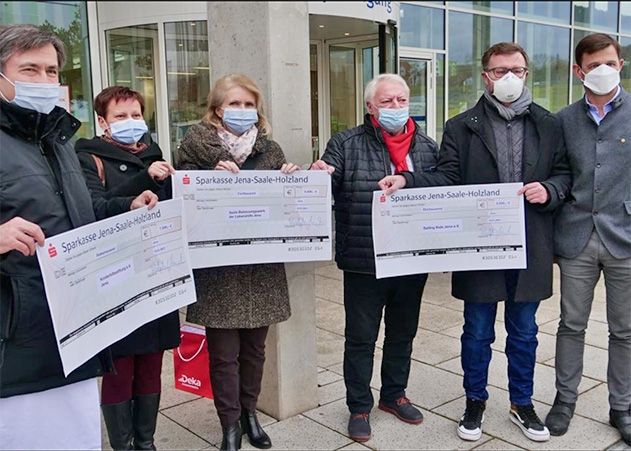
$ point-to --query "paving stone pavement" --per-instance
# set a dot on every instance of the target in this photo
(189, 422)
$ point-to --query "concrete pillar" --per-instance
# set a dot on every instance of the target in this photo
(269, 42)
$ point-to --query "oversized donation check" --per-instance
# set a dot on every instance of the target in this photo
(452, 228)
(255, 216)
(106, 279)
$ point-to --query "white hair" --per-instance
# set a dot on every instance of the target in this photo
(371, 87)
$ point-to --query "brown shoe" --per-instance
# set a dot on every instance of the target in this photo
(359, 427)
(403, 409)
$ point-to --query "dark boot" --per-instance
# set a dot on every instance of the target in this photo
(231, 437)
(251, 426)
(145, 418)
(120, 427)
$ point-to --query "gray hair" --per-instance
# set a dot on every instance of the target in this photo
(21, 38)
(371, 87)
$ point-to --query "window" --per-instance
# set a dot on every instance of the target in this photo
(548, 48)
(131, 53)
(625, 17)
(601, 16)
(342, 100)
(188, 76)
(422, 27)
(68, 20)
(548, 11)
(625, 76)
(577, 84)
(489, 7)
(469, 36)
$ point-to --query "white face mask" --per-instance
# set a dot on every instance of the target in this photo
(508, 88)
(602, 80)
(41, 97)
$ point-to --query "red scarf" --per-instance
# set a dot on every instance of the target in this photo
(398, 145)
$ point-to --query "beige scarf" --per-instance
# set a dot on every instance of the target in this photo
(240, 147)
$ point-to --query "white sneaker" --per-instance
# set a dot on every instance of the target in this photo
(529, 423)
(470, 425)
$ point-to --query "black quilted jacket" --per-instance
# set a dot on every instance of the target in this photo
(361, 159)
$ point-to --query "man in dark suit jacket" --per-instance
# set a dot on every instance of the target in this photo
(593, 231)
(504, 138)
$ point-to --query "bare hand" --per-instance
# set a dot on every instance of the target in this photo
(391, 183)
(160, 170)
(288, 168)
(320, 165)
(227, 166)
(535, 193)
(146, 198)
(20, 235)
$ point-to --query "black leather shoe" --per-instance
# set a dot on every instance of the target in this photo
(251, 426)
(403, 409)
(621, 420)
(558, 419)
(231, 437)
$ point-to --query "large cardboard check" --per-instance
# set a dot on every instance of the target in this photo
(454, 228)
(106, 279)
(256, 216)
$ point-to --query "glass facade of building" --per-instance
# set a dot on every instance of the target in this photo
(460, 31)
(440, 42)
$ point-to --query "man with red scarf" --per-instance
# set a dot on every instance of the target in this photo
(388, 142)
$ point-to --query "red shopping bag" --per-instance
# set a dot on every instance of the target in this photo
(190, 360)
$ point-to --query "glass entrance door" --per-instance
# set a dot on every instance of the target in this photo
(417, 72)
(131, 52)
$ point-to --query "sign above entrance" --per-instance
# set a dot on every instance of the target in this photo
(368, 10)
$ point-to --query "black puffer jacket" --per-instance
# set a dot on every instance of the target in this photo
(40, 181)
(360, 159)
(126, 174)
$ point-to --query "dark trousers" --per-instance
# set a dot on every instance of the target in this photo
(237, 357)
(365, 298)
(135, 375)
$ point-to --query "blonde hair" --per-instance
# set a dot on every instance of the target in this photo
(217, 96)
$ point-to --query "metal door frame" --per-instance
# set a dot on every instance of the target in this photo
(430, 58)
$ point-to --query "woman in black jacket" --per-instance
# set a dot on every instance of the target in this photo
(124, 161)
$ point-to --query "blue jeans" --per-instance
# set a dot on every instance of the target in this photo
(521, 348)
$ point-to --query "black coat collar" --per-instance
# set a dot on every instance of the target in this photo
(32, 126)
(103, 149)
(478, 121)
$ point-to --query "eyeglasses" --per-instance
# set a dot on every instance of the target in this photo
(499, 72)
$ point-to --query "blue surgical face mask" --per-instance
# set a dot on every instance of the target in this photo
(393, 119)
(240, 120)
(128, 131)
(41, 97)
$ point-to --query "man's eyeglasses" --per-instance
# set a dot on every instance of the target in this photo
(499, 72)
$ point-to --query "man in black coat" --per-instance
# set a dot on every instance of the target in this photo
(504, 138)
(388, 142)
(42, 193)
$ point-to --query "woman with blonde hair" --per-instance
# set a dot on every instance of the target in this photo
(236, 304)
